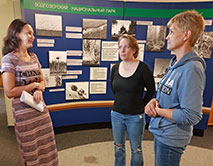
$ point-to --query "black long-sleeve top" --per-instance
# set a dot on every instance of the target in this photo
(128, 92)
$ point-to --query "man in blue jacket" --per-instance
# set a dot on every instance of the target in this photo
(178, 104)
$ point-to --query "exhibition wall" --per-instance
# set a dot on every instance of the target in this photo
(76, 43)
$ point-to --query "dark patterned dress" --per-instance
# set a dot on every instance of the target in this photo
(34, 131)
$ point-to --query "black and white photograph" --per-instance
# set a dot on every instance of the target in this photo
(120, 27)
(94, 29)
(48, 25)
(203, 46)
(155, 40)
(51, 80)
(91, 52)
(58, 62)
(160, 69)
(77, 90)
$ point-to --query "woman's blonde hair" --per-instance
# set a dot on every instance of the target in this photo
(132, 43)
(189, 20)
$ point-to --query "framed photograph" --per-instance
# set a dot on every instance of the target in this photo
(48, 25)
(160, 69)
(58, 62)
(203, 46)
(77, 90)
(156, 36)
(91, 52)
(120, 27)
(51, 80)
(94, 29)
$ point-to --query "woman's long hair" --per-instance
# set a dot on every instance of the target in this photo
(11, 42)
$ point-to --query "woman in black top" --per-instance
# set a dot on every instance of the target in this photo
(128, 80)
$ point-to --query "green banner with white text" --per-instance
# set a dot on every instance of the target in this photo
(69, 8)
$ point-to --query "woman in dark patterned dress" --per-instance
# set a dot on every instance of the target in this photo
(22, 71)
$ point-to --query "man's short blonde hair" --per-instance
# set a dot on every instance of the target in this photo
(132, 43)
(189, 20)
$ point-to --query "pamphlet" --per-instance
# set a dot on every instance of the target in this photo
(28, 99)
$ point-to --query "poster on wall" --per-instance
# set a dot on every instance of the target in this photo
(58, 62)
(94, 29)
(141, 52)
(51, 80)
(98, 73)
(91, 52)
(109, 51)
(48, 25)
(203, 46)
(77, 90)
(155, 40)
(98, 87)
(120, 27)
(160, 69)
(109, 54)
(74, 62)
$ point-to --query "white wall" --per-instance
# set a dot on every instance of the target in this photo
(9, 10)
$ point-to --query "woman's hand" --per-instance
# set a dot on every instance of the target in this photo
(150, 108)
(38, 86)
(37, 96)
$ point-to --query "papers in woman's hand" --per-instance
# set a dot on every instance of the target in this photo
(28, 99)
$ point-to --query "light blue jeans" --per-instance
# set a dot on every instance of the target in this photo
(134, 125)
(167, 155)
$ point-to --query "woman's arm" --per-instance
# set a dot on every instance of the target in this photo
(166, 113)
(38, 94)
(149, 84)
(42, 82)
(112, 77)
(12, 91)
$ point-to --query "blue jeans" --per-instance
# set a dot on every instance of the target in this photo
(134, 125)
(167, 155)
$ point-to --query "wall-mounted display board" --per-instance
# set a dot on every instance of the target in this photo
(76, 43)
(74, 46)
(158, 14)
